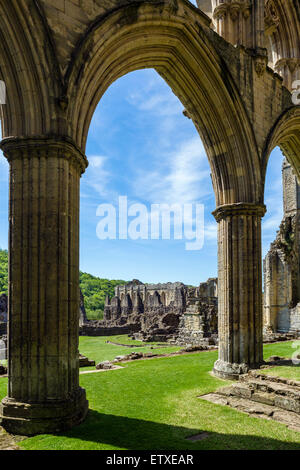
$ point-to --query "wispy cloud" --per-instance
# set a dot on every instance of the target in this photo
(211, 231)
(273, 200)
(272, 223)
(155, 99)
(98, 176)
(162, 104)
(179, 177)
(3, 160)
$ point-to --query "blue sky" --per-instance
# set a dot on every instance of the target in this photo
(141, 145)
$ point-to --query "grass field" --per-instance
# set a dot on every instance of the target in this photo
(152, 404)
(97, 349)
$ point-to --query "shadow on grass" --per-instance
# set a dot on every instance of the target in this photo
(135, 434)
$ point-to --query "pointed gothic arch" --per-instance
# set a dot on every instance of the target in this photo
(57, 63)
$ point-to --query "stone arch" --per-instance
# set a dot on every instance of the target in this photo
(55, 80)
(283, 37)
(168, 39)
(286, 134)
(33, 80)
(281, 264)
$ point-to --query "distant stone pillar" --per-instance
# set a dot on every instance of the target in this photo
(234, 21)
(242, 23)
(43, 385)
(239, 289)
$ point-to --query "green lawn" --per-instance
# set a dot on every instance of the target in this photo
(153, 404)
(290, 372)
(284, 350)
(97, 349)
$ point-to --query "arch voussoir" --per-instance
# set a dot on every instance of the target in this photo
(52, 95)
(285, 134)
(170, 43)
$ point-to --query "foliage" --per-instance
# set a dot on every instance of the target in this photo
(3, 271)
(94, 292)
(93, 288)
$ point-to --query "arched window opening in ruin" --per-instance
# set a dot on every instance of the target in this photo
(143, 149)
(281, 249)
(56, 75)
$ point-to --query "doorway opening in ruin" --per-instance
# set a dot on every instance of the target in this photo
(142, 146)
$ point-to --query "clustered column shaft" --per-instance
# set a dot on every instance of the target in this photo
(241, 22)
(43, 286)
(240, 288)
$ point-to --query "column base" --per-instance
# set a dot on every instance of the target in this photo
(229, 371)
(29, 419)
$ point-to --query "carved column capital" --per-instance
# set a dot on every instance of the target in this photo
(292, 63)
(243, 7)
(43, 285)
(238, 209)
(246, 10)
(271, 17)
(37, 146)
(233, 8)
(221, 11)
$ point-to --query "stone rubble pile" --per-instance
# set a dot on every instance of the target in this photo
(85, 362)
(263, 396)
(165, 312)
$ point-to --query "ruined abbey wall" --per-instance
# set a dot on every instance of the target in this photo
(281, 265)
(164, 311)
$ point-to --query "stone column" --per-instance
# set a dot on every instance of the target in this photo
(234, 21)
(241, 22)
(43, 385)
(239, 289)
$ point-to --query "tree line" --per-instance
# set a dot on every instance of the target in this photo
(93, 288)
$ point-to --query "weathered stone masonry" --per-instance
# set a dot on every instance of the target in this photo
(44, 287)
(57, 60)
(160, 312)
(282, 263)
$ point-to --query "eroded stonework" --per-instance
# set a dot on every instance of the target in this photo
(199, 323)
(82, 313)
(281, 265)
(3, 314)
(162, 312)
(68, 53)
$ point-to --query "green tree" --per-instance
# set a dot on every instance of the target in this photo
(93, 288)
(3, 271)
(95, 291)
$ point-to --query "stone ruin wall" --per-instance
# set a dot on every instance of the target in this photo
(3, 314)
(281, 264)
(3, 327)
(199, 324)
(160, 312)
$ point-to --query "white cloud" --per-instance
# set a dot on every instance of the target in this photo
(273, 218)
(155, 98)
(3, 169)
(98, 176)
(179, 177)
(3, 160)
(211, 231)
(164, 104)
(272, 223)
